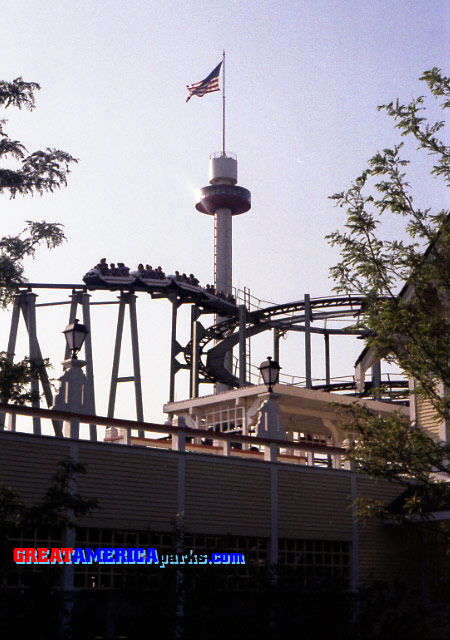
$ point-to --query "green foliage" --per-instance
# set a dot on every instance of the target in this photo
(370, 263)
(36, 173)
(18, 93)
(14, 379)
(13, 250)
(39, 171)
(390, 449)
(406, 281)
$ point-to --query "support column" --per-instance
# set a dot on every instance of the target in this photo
(273, 554)
(308, 341)
(72, 395)
(14, 326)
(116, 358)
(276, 345)
(174, 348)
(242, 345)
(34, 356)
(354, 570)
(195, 313)
(223, 250)
(223, 269)
(25, 303)
(326, 337)
(90, 387)
(376, 378)
(68, 570)
(136, 362)
(179, 444)
(10, 352)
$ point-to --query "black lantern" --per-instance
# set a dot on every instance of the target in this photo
(75, 334)
(270, 371)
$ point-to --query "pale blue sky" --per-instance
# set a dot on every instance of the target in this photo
(303, 82)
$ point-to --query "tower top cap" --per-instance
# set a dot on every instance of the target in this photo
(223, 168)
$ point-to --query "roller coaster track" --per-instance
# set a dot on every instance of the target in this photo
(285, 317)
(289, 316)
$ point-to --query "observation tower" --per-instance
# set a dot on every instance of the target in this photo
(223, 199)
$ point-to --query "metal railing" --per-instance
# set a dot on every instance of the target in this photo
(182, 438)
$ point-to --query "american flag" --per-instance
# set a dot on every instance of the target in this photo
(208, 85)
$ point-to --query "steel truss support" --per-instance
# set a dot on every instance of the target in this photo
(25, 304)
(326, 337)
(175, 347)
(195, 339)
(30, 320)
(308, 317)
(124, 300)
(242, 345)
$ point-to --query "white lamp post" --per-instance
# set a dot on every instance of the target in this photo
(75, 335)
(270, 371)
(270, 423)
(72, 394)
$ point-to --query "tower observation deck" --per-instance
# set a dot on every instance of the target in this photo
(223, 199)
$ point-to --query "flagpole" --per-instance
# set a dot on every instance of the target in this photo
(223, 103)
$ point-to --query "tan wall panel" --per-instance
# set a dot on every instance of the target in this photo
(28, 462)
(224, 496)
(314, 504)
(135, 488)
(386, 551)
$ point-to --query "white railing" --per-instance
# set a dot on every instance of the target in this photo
(243, 296)
(175, 437)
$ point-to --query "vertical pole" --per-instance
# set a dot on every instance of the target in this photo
(308, 341)
(90, 388)
(223, 103)
(178, 442)
(276, 345)
(34, 356)
(173, 348)
(354, 570)
(327, 358)
(116, 359)
(242, 345)
(69, 542)
(136, 362)
(376, 378)
(195, 351)
(14, 326)
(273, 553)
(10, 352)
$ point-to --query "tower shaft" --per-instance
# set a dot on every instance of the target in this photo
(223, 257)
(223, 199)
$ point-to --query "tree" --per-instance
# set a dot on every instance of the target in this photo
(37, 172)
(40, 171)
(406, 282)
